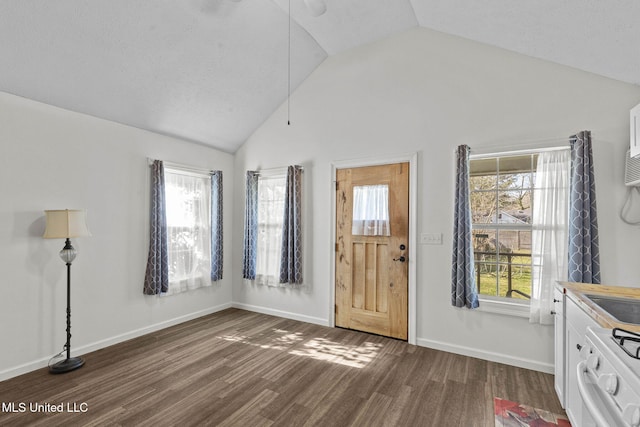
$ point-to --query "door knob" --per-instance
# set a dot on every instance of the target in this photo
(401, 259)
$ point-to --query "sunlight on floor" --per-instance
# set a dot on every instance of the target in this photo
(284, 341)
(316, 348)
(348, 355)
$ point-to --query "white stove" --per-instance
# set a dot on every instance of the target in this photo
(609, 378)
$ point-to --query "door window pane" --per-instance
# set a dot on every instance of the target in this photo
(370, 210)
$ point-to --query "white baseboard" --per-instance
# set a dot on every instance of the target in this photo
(487, 355)
(77, 351)
(280, 313)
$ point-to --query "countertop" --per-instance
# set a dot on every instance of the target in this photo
(577, 292)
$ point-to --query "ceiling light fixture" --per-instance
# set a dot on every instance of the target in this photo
(316, 7)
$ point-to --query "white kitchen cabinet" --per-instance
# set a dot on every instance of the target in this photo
(576, 323)
(634, 131)
(559, 338)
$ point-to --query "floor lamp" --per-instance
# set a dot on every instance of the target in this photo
(65, 224)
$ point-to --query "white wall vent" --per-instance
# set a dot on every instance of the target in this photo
(631, 171)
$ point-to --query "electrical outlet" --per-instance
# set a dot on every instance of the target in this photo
(431, 238)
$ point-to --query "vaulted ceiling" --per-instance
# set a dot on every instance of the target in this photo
(211, 71)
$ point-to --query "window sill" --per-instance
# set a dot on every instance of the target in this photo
(506, 308)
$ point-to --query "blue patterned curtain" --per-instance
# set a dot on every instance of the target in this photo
(156, 279)
(250, 227)
(463, 282)
(291, 256)
(216, 226)
(584, 251)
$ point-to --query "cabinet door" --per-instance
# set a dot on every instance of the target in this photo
(559, 347)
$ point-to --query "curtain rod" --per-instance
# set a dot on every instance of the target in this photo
(181, 166)
(536, 145)
(515, 152)
(282, 169)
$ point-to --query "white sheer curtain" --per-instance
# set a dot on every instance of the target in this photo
(271, 196)
(188, 198)
(549, 243)
(370, 210)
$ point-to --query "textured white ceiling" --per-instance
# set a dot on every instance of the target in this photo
(212, 71)
(599, 36)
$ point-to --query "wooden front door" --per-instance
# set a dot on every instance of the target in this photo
(371, 249)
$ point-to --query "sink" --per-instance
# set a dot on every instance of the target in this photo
(625, 310)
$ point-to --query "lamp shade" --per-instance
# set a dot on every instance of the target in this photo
(67, 223)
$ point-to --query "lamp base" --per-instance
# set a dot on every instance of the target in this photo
(66, 365)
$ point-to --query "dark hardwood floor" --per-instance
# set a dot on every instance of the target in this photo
(238, 368)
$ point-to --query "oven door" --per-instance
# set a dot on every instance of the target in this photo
(598, 409)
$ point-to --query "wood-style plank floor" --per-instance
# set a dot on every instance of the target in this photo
(237, 368)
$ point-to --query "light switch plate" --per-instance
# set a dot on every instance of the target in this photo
(431, 238)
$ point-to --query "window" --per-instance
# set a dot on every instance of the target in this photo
(188, 202)
(272, 249)
(502, 198)
(271, 198)
(370, 210)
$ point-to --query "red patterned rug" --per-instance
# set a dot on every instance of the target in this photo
(511, 414)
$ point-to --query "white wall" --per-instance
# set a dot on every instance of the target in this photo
(420, 91)
(55, 159)
(426, 92)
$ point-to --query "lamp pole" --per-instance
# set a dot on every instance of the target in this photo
(64, 224)
(68, 254)
(68, 310)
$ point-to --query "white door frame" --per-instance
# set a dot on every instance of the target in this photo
(412, 159)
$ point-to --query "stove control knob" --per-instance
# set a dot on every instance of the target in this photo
(593, 362)
(584, 350)
(631, 415)
(609, 383)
